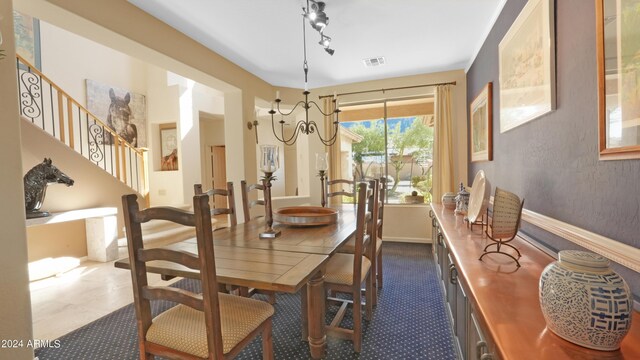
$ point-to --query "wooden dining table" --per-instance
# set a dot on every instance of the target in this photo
(294, 261)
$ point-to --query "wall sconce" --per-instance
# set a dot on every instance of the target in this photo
(254, 124)
(1, 51)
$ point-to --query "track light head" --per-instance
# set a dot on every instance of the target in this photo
(325, 41)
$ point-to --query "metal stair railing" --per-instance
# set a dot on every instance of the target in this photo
(53, 110)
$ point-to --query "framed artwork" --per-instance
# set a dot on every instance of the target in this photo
(169, 147)
(618, 51)
(27, 34)
(123, 111)
(480, 118)
(527, 66)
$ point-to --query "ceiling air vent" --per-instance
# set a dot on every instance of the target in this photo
(373, 62)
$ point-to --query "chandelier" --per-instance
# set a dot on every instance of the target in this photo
(317, 18)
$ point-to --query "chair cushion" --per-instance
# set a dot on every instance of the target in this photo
(350, 246)
(340, 269)
(183, 328)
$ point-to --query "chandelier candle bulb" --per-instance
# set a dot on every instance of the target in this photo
(322, 163)
(270, 160)
(277, 96)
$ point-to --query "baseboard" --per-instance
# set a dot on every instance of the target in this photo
(407, 240)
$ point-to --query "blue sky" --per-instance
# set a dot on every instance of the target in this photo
(405, 123)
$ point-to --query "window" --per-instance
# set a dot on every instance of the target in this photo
(392, 139)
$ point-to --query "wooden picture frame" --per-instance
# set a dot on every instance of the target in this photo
(481, 125)
(618, 58)
(527, 66)
(168, 147)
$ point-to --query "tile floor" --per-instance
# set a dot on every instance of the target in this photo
(63, 303)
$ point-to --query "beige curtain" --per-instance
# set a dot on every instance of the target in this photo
(335, 163)
(443, 144)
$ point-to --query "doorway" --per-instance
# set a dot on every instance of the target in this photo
(217, 178)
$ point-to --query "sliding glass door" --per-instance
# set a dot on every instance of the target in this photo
(391, 139)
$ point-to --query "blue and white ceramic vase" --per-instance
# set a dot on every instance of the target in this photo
(584, 301)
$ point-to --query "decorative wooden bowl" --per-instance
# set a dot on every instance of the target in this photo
(306, 215)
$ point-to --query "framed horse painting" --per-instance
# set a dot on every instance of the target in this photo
(123, 111)
(169, 147)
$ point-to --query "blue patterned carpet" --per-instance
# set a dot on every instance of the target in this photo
(409, 322)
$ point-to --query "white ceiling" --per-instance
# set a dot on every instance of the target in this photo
(265, 36)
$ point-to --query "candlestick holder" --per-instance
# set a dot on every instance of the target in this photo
(323, 199)
(269, 231)
(322, 164)
(269, 163)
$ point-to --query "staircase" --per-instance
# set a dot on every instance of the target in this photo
(54, 111)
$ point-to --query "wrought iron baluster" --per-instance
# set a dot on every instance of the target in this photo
(94, 140)
(29, 95)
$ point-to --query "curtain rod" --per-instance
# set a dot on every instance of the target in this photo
(383, 89)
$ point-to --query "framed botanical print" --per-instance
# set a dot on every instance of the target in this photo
(527, 66)
(480, 123)
(169, 147)
(618, 51)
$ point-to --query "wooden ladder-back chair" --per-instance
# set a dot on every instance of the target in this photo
(376, 259)
(248, 204)
(228, 193)
(345, 273)
(382, 199)
(329, 183)
(206, 326)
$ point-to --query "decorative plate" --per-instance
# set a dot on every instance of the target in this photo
(306, 215)
(479, 198)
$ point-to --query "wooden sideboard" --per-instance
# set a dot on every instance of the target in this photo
(493, 305)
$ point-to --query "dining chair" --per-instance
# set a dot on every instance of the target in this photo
(248, 204)
(210, 325)
(345, 273)
(231, 205)
(376, 260)
(341, 192)
(382, 198)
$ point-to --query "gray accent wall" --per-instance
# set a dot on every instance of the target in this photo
(553, 161)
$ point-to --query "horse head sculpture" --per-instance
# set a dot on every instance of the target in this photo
(35, 186)
(119, 118)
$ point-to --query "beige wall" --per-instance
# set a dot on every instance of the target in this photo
(69, 59)
(57, 240)
(15, 302)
